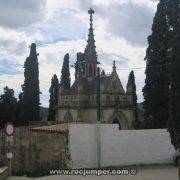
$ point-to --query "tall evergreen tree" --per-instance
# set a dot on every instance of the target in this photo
(8, 107)
(53, 102)
(132, 85)
(173, 21)
(65, 74)
(20, 121)
(30, 96)
(155, 90)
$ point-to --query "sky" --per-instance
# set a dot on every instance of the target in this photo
(121, 28)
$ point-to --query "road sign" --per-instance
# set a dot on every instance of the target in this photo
(9, 129)
(9, 155)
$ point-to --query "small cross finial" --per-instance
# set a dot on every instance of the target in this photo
(91, 11)
(114, 65)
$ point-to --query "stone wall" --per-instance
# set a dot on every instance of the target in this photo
(89, 115)
(35, 150)
(3, 173)
(118, 147)
(46, 149)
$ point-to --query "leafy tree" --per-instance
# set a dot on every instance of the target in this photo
(65, 74)
(8, 107)
(155, 90)
(53, 102)
(30, 99)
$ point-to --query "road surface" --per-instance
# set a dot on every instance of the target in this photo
(143, 173)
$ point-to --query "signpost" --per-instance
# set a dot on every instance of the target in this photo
(9, 131)
(98, 120)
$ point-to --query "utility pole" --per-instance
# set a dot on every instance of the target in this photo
(98, 120)
(98, 96)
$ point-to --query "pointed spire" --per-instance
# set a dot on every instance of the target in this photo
(90, 50)
(114, 65)
(91, 12)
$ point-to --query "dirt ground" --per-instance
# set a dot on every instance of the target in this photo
(143, 173)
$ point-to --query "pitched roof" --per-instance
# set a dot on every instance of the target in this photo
(89, 87)
(52, 128)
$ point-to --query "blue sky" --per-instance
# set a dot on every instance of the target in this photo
(61, 26)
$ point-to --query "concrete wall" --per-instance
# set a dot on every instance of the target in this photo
(118, 148)
(82, 145)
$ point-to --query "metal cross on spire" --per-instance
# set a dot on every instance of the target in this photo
(114, 65)
(91, 12)
(90, 50)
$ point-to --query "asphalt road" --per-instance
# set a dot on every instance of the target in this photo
(143, 173)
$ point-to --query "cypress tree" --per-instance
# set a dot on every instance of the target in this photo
(65, 74)
(155, 90)
(8, 107)
(30, 96)
(53, 102)
(20, 121)
(132, 84)
(173, 21)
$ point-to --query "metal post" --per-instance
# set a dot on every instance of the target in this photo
(98, 96)
(98, 120)
(10, 167)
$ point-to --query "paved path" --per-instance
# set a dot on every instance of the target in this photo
(143, 173)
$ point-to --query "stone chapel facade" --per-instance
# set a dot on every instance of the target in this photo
(79, 102)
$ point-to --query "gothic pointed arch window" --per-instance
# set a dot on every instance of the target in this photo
(116, 121)
(90, 70)
(87, 70)
(94, 70)
(68, 117)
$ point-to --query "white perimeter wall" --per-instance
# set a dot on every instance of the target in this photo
(118, 148)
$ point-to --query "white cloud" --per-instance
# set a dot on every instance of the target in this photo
(12, 81)
(53, 6)
(16, 14)
(61, 27)
(108, 2)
